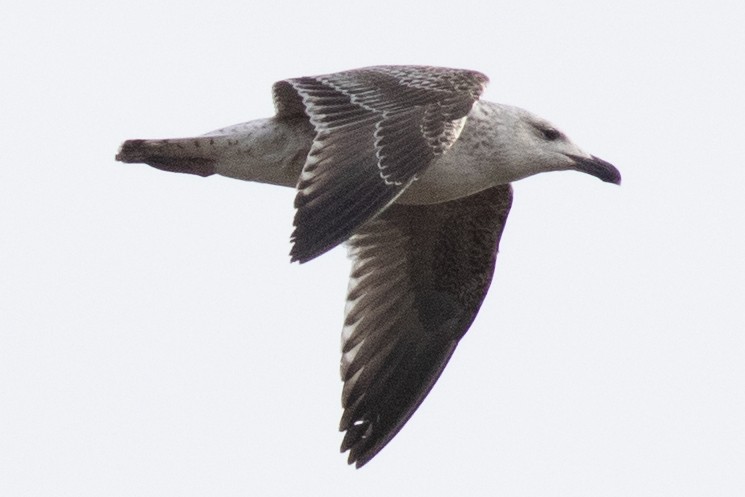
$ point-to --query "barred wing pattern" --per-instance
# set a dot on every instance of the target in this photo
(377, 129)
(419, 276)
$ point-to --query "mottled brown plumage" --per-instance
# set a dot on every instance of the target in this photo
(377, 129)
(408, 166)
(419, 276)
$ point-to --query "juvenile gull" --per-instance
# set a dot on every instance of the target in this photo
(408, 167)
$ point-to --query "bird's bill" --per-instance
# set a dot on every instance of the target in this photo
(597, 167)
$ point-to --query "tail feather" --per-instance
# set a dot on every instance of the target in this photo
(167, 155)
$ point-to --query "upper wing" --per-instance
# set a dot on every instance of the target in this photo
(377, 128)
(418, 278)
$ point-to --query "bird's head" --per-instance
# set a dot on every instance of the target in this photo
(532, 145)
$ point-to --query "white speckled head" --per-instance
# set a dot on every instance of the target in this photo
(501, 144)
(526, 144)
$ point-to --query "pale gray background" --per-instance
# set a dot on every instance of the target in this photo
(155, 340)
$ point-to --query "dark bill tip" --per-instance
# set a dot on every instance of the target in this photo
(597, 167)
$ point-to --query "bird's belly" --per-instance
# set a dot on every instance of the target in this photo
(451, 176)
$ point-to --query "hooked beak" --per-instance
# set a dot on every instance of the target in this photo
(602, 170)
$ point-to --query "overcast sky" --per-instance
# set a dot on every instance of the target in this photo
(155, 340)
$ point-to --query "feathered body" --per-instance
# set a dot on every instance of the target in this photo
(408, 167)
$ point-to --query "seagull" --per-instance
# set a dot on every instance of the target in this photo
(412, 171)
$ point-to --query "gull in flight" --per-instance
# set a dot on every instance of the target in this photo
(412, 171)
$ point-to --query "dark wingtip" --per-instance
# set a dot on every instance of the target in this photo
(595, 166)
(302, 253)
(309, 241)
(295, 257)
(298, 253)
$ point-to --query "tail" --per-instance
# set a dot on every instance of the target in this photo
(178, 156)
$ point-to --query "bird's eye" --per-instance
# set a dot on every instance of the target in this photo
(550, 134)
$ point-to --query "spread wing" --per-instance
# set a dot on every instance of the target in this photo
(419, 276)
(377, 129)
